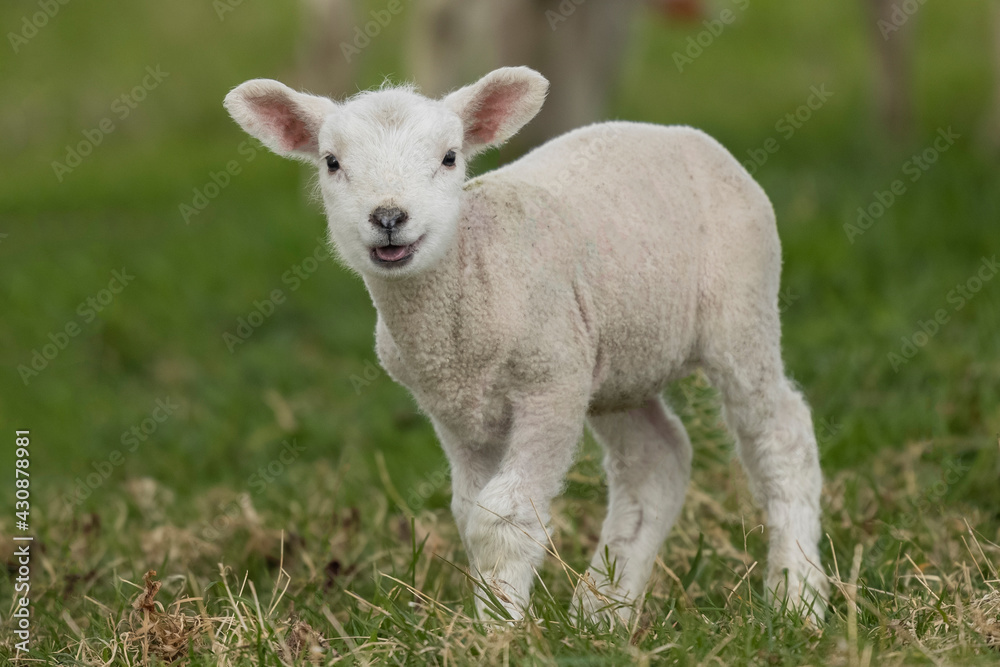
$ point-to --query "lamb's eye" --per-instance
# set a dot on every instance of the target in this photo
(332, 164)
(449, 159)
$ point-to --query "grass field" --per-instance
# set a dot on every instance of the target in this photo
(290, 497)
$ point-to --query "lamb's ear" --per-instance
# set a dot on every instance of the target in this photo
(286, 121)
(494, 108)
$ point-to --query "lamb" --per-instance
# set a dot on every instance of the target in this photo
(567, 287)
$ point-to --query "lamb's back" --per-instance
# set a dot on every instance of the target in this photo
(625, 224)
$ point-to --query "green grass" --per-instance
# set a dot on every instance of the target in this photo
(359, 517)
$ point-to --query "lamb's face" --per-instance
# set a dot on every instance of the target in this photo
(391, 169)
(391, 163)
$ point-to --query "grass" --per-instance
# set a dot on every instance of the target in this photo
(346, 544)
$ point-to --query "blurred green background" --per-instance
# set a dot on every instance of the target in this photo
(307, 372)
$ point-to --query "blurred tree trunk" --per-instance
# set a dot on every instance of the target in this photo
(323, 68)
(991, 128)
(578, 47)
(892, 75)
(583, 57)
(450, 43)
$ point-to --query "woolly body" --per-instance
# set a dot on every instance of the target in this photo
(567, 287)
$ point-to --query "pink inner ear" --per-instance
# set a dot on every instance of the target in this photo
(495, 108)
(282, 118)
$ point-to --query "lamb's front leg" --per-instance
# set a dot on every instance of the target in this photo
(472, 466)
(506, 530)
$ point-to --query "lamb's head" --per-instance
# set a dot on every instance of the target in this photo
(391, 162)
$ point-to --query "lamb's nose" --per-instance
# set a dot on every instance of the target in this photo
(388, 218)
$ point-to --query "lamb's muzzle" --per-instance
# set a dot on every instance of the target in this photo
(394, 255)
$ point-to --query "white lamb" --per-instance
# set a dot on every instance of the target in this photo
(567, 287)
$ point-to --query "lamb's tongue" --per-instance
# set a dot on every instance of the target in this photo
(391, 253)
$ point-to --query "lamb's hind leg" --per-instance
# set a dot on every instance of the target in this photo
(777, 447)
(648, 464)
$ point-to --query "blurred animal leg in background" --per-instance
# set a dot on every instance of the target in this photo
(449, 43)
(892, 78)
(581, 53)
(991, 128)
(583, 57)
(324, 69)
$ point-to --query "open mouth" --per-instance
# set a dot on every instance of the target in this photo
(394, 255)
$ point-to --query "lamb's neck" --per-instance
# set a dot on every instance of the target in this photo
(431, 298)
(427, 297)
